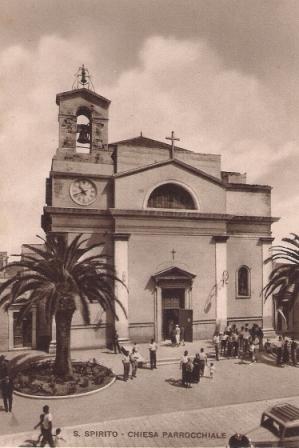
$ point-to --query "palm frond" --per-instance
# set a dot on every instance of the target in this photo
(283, 280)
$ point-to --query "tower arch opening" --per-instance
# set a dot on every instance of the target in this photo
(83, 129)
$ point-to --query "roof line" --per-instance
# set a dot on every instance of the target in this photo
(162, 144)
(167, 162)
(84, 91)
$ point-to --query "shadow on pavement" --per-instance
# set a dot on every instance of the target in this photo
(29, 442)
(120, 377)
(174, 382)
(13, 421)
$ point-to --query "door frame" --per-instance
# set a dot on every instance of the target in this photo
(172, 277)
(11, 311)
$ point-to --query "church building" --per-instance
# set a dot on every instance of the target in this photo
(188, 239)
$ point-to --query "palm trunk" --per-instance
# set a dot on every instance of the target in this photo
(63, 366)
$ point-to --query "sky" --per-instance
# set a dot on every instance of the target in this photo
(223, 74)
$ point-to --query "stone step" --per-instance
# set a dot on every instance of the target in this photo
(174, 360)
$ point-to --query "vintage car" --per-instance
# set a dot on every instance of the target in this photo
(282, 424)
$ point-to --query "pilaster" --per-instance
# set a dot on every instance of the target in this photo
(221, 280)
(121, 246)
(52, 346)
(267, 310)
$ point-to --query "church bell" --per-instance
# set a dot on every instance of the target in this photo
(84, 134)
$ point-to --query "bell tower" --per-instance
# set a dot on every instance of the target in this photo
(82, 167)
(83, 126)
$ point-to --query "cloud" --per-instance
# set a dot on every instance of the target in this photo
(28, 132)
(176, 84)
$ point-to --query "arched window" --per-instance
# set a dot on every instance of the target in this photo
(243, 282)
(171, 195)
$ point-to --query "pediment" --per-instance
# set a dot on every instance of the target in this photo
(173, 273)
(175, 162)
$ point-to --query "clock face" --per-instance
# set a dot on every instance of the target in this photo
(83, 192)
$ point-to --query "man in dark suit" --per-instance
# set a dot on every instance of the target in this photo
(116, 346)
(7, 393)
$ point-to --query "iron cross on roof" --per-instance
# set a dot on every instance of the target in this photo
(173, 253)
(173, 139)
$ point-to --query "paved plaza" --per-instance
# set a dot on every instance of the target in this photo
(154, 403)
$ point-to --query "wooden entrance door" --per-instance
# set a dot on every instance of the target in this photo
(186, 321)
(173, 307)
(173, 299)
(22, 331)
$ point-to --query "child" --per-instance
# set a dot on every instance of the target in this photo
(252, 352)
(212, 370)
(267, 346)
(57, 438)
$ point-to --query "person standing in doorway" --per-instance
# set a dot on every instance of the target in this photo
(153, 347)
(177, 335)
(170, 330)
(7, 393)
(182, 335)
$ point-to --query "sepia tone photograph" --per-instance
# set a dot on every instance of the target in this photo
(149, 232)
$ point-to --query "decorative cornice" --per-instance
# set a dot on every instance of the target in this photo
(88, 94)
(220, 238)
(191, 214)
(266, 239)
(121, 236)
(249, 187)
(72, 174)
(75, 211)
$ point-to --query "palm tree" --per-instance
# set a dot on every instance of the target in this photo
(284, 278)
(65, 278)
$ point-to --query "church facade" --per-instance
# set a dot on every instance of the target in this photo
(188, 239)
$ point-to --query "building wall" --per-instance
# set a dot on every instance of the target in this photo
(61, 192)
(130, 157)
(3, 330)
(131, 192)
(149, 254)
(248, 203)
(244, 251)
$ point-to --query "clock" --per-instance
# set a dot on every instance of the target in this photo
(83, 191)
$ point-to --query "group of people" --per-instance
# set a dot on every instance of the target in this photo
(235, 342)
(286, 351)
(245, 342)
(46, 427)
(194, 369)
(132, 358)
(45, 422)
